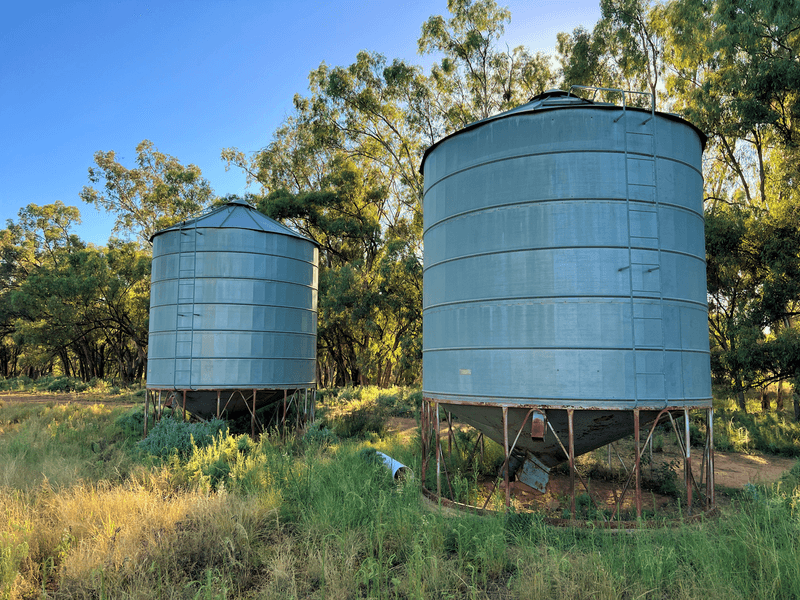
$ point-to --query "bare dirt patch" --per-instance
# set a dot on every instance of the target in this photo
(63, 398)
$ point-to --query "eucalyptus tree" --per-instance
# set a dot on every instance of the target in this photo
(369, 277)
(157, 193)
(734, 71)
(70, 305)
(476, 76)
(624, 50)
(372, 120)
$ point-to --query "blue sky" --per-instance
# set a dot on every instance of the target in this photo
(193, 77)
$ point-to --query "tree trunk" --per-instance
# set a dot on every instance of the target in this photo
(796, 402)
(764, 400)
(779, 399)
(739, 389)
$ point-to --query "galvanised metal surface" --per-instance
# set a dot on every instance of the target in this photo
(565, 262)
(233, 304)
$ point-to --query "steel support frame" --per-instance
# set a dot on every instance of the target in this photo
(174, 398)
(431, 442)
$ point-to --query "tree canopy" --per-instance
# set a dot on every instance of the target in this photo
(343, 169)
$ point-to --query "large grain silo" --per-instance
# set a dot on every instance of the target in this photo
(564, 298)
(233, 313)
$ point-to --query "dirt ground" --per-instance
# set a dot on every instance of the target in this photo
(63, 398)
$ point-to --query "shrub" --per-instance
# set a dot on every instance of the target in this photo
(318, 436)
(64, 384)
(172, 436)
(361, 421)
(772, 433)
(16, 383)
(131, 422)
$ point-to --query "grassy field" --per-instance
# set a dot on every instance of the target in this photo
(88, 512)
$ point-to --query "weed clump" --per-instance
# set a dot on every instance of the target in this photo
(172, 436)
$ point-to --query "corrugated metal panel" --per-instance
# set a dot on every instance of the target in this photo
(233, 304)
(564, 260)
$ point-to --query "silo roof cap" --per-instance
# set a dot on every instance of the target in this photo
(554, 99)
(235, 214)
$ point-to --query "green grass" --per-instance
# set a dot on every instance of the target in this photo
(62, 444)
(312, 516)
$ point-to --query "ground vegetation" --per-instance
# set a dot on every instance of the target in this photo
(89, 511)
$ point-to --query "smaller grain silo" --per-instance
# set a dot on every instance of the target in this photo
(233, 314)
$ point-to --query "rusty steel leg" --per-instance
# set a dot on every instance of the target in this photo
(146, 407)
(422, 443)
(253, 418)
(425, 437)
(438, 449)
(219, 392)
(283, 420)
(710, 495)
(688, 463)
(571, 441)
(160, 407)
(638, 464)
(184, 405)
(506, 477)
(449, 433)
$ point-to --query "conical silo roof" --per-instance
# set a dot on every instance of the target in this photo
(236, 214)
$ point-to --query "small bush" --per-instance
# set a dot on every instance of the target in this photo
(361, 421)
(171, 436)
(65, 384)
(16, 383)
(131, 422)
(317, 436)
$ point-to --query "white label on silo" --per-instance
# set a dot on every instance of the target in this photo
(465, 371)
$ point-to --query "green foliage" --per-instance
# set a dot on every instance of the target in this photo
(476, 76)
(69, 308)
(155, 194)
(66, 384)
(132, 422)
(318, 436)
(361, 411)
(175, 437)
(23, 382)
(370, 277)
(396, 401)
(737, 431)
(62, 443)
(753, 285)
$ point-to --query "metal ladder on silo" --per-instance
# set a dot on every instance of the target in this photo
(644, 243)
(184, 324)
(644, 250)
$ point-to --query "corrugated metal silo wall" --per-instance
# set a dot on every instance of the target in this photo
(564, 264)
(232, 308)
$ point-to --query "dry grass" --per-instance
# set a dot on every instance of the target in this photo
(101, 536)
(295, 519)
